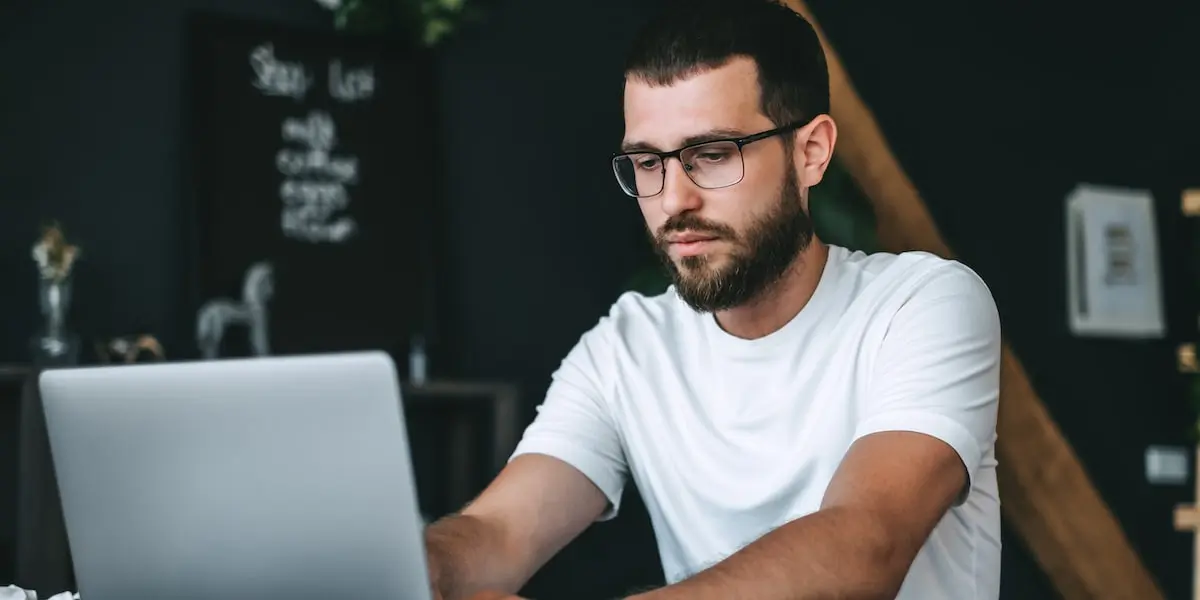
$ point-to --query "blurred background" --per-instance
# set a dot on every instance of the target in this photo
(464, 216)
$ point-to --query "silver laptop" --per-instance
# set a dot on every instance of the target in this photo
(284, 478)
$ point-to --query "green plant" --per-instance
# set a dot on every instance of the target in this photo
(425, 22)
(841, 213)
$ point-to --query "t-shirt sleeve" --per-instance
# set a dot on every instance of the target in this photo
(937, 371)
(574, 423)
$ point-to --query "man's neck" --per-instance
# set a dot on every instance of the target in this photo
(780, 303)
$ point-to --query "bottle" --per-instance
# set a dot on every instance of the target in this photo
(417, 361)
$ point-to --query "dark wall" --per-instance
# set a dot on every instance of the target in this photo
(538, 239)
(90, 133)
(996, 112)
(92, 125)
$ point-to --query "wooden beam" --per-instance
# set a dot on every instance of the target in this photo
(1045, 491)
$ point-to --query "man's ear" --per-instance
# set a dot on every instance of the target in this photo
(814, 149)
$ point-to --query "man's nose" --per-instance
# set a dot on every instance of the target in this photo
(680, 193)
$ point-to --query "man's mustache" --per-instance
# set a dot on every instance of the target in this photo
(691, 223)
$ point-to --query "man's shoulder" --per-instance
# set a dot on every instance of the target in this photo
(637, 319)
(635, 322)
(881, 263)
(916, 275)
(636, 313)
(920, 297)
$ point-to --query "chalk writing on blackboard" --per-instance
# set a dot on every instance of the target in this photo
(274, 77)
(350, 85)
(313, 190)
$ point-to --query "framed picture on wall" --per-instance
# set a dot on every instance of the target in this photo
(310, 167)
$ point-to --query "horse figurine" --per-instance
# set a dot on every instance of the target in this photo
(218, 314)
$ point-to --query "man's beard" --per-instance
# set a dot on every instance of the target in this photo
(760, 257)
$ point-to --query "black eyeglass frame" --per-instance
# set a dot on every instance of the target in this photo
(677, 154)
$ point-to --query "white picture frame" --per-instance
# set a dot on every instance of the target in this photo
(1113, 270)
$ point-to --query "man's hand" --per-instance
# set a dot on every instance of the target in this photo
(534, 507)
(484, 595)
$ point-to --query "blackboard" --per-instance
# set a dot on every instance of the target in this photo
(315, 152)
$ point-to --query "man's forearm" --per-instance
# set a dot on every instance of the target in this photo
(833, 553)
(467, 555)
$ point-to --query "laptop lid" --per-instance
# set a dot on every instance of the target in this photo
(281, 477)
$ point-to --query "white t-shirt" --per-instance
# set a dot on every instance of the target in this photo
(729, 438)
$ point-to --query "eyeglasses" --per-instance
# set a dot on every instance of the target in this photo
(710, 165)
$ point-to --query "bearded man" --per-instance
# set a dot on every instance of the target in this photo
(802, 420)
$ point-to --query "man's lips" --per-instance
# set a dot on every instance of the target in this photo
(689, 238)
(689, 243)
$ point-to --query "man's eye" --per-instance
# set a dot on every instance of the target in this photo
(714, 156)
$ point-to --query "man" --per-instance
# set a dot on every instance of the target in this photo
(802, 421)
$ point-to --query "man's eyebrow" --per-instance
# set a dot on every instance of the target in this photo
(711, 135)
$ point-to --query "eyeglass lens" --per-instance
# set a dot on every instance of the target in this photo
(712, 165)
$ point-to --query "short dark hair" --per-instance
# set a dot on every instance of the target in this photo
(692, 36)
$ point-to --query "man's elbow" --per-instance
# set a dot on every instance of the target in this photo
(881, 575)
(886, 557)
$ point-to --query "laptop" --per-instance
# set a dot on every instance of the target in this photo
(280, 477)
